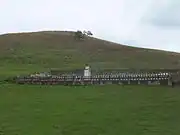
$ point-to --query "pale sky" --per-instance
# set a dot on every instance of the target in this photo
(142, 23)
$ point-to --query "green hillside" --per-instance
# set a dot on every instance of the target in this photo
(83, 110)
(39, 51)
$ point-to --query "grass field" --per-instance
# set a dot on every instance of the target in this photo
(92, 110)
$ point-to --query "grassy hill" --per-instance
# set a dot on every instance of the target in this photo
(87, 110)
(39, 51)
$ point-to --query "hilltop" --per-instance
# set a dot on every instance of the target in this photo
(39, 51)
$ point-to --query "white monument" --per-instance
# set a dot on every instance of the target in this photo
(87, 72)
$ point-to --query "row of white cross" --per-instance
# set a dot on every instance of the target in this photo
(93, 79)
(122, 75)
(114, 79)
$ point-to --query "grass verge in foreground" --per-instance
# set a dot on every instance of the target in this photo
(91, 110)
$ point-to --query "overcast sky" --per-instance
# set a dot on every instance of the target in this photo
(142, 23)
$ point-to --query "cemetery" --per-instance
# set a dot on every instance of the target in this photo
(87, 76)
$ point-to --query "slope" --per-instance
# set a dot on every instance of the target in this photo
(39, 51)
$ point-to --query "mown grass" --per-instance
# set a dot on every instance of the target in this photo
(90, 110)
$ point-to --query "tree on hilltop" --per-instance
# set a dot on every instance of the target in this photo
(79, 35)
